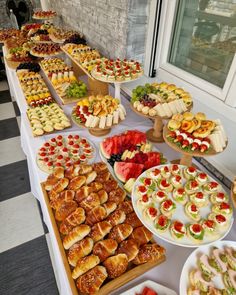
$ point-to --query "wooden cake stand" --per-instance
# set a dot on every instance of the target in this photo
(187, 156)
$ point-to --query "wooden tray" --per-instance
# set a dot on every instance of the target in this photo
(111, 285)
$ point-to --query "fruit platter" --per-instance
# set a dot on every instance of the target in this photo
(159, 101)
(195, 135)
(101, 241)
(65, 151)
(99, 114)
(182, 205)
(5, 34)
(44, 15)
(47, 119)
(129, 154)
(63, 80)
(59, 35)
(210, 269)
(45, 50)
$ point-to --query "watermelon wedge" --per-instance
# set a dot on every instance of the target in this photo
(154, 159)
(124, 171)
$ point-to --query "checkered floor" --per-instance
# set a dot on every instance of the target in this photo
(25, 262)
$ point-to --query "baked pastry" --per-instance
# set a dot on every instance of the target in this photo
(65, 196)
(85, 264)
(90, 202)
(92, 280)
(100, 230)
(65, 210)
(117, 195)
(130, 248)
(76, 235)
(110, 185)
(75, 218)
(77, 182)
(91, 176)
(60, 185)
(103, 176)
(148, 252)
(72, 171)
(133, 220)
(120, 232)
(116, 265)
(126, 206)
(50, 182)
(110, 207)
(83, 193)
(117, 217)
(103, 196)
(105, 248)
(96, 186)
(99, 167)
(80, 250)
(95, 215)
(141, 235)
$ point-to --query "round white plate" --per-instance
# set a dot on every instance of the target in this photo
(191, 263)
(179, 214)
(161, 290)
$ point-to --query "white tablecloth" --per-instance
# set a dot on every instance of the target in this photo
(167, 273)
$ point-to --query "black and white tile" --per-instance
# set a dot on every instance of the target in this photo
(25, 253)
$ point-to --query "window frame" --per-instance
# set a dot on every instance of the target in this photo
(204, 91)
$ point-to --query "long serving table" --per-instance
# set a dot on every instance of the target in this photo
(168, 273)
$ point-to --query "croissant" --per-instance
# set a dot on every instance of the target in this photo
(72, 171)
(117, 195)
(95, 215)
(110, 185)
(120, 232)
(65, 196)
(100, 230)
(75, 218)
(65, 209)
(80, 250)
(105, 248)
(95, 186)
(91, 281)
(126, 207)
(117, 217)
(141, 235)
(76, 235)
(85, 264)
(82, 193)
(103, 176)
(90, 202)
(103, 196)
(90, 177)
(116, 265)
(60, 185)
(110, 207)
(99, 167)
(149, 252)
(130, 248)
(133, 220)
(77, 182)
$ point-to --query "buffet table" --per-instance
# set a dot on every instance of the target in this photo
(167, 273)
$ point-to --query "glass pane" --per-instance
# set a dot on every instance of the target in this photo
(204, 38)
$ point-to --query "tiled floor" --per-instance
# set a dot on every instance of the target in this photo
(25, 259)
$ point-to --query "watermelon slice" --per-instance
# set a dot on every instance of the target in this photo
(154, 159)
(124, 171)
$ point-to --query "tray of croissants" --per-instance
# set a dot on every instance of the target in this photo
(102, 242)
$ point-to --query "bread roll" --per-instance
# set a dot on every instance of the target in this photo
(90, 177)
(110, 207)
(92, 280)
(85, 169)
(116, 265)
(65, 196)
(149, 252)
(100, 230)
(53, 195)
(60, 185)
(126, 207)
(104, 176)
(120, 232)
(133, 220)
(72, 171)
(141, 235)
(188, 116)
(79, 250)
(76, 235)
(117, 217)
(173, 125)
(117, 195)
(103, 196)
(130, 248)
(85, 264)
(110, 185)
(50, 182)
(95, 215)
(75, 218)
(77, 182)
(100, 167)
(95, 186)
(200, 116)
(65, 210)
(82, 193)
(58, 172)
(105, 248)
(90, 202)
